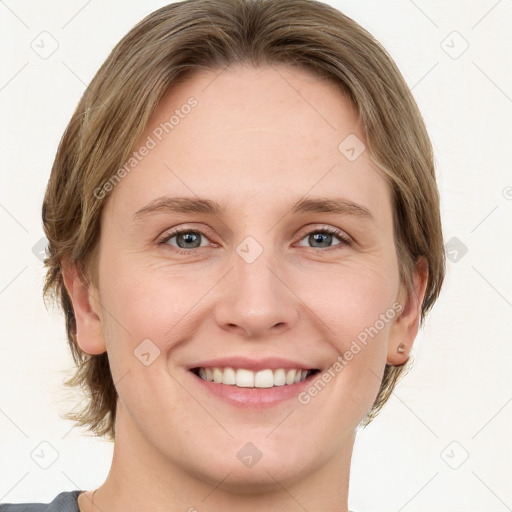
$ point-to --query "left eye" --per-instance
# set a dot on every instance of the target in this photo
(191, 239)
(325, 236)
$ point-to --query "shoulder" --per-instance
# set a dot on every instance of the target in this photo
(63, 502)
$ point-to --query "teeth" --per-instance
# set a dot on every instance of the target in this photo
(218, 375)
(290, 376)
(279, 377)
(264, 379)
(243, 378)
(229, 376)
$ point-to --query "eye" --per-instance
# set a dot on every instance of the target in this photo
(324, 237)
(187, 240)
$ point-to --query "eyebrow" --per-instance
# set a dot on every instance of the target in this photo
(166, 204)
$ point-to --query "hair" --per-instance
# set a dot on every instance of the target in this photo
(170, 44)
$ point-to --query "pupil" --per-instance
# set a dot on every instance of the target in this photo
(189, 238)
(319, 237)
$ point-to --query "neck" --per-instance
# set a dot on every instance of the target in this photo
(140, 478)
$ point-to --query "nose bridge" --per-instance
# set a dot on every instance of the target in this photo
(254, 266)
(256, 300)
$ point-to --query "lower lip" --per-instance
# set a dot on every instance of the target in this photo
(255, 398)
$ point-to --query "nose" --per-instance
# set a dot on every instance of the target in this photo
(257, 299)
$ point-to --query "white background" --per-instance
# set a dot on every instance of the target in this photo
(457, 400)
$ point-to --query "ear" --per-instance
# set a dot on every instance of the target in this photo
(87, 307)
(405, 327)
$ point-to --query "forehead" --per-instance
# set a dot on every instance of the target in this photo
(258, 134)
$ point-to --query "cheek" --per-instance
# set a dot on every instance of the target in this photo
(147, 314)
(351, 297)
(147, 299)
(357, 309)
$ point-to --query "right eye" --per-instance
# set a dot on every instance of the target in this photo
(187, 241)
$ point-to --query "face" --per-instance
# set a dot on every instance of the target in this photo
(248, 279)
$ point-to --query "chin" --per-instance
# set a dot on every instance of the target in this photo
(258, 479)
(259, 467)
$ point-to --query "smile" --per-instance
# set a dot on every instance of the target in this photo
(244, 378)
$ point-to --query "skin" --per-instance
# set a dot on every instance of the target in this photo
(255, 145)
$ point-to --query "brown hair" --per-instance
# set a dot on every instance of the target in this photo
(171, 43)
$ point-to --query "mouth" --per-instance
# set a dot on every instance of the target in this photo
(245, 378)
(252, 384)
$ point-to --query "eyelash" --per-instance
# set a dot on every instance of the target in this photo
(345, 240)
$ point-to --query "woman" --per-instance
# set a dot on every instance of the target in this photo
(244, 235)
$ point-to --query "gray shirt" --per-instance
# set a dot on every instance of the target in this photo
(64, 502)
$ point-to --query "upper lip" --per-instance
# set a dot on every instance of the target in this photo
(251, 364)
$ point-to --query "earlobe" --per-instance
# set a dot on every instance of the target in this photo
(405, 327)
(87, 308)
